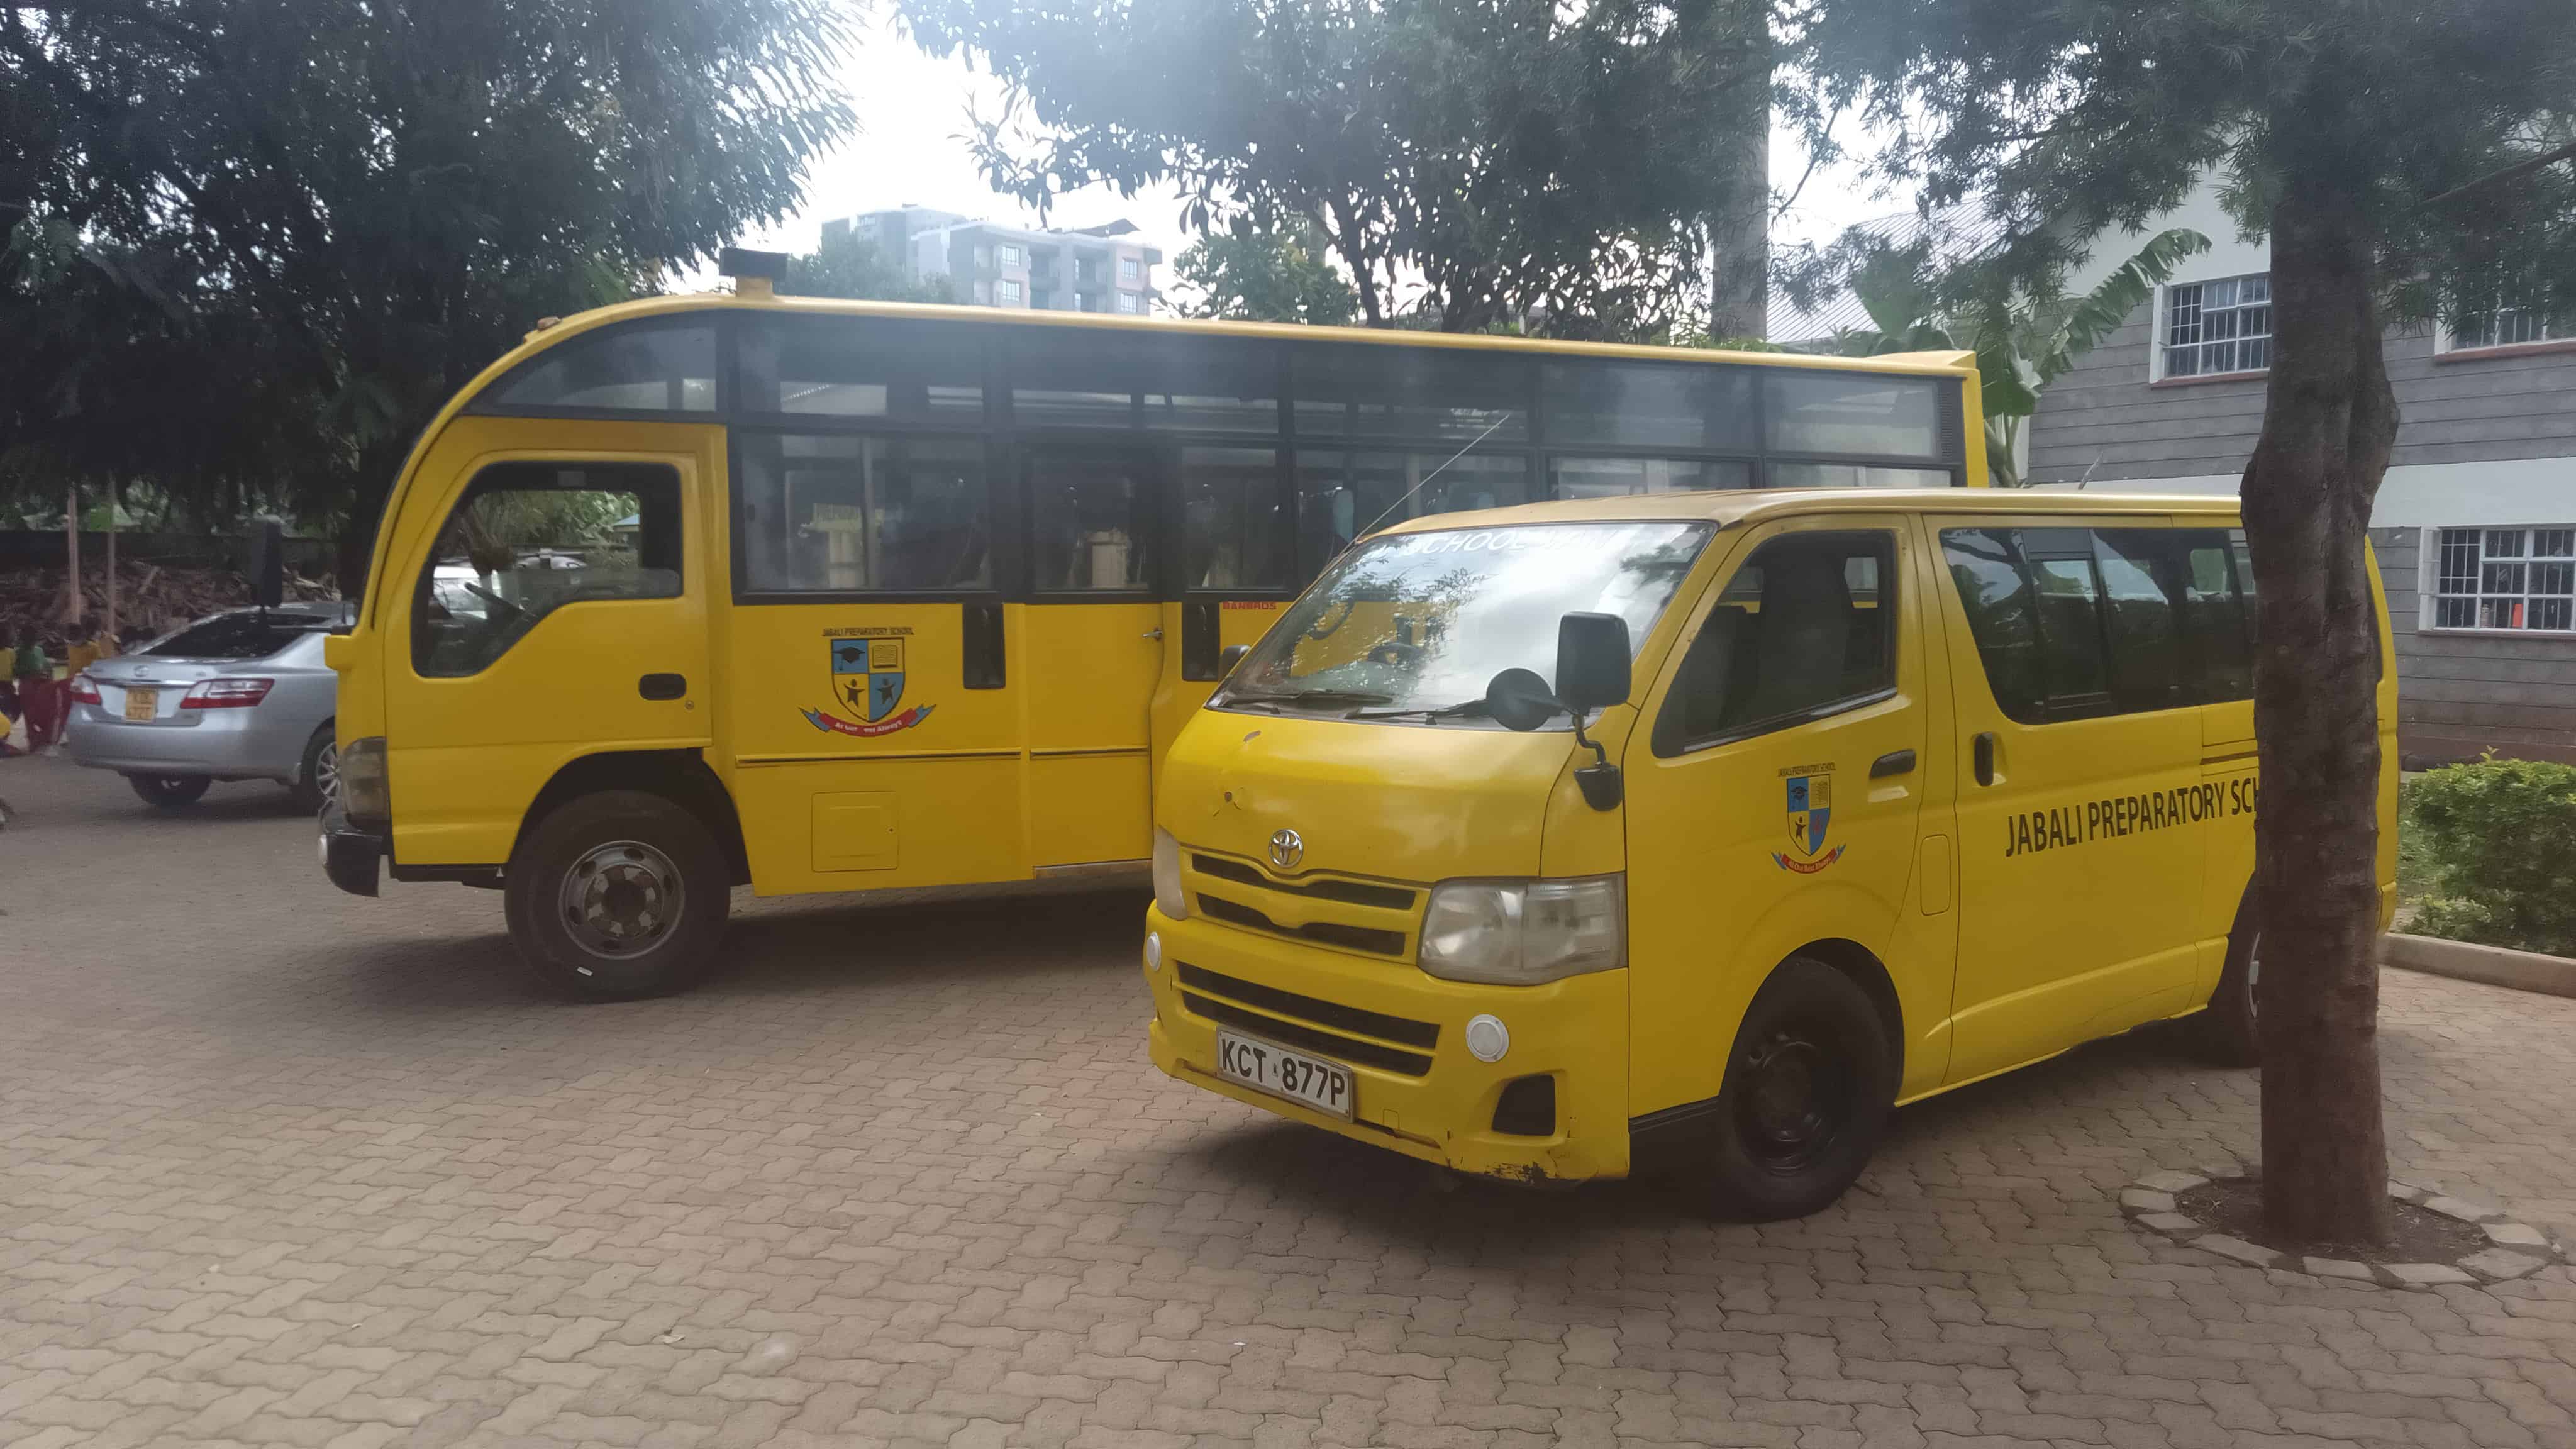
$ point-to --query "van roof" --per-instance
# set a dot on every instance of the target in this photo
(1744, 506)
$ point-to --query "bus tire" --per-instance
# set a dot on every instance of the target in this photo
(618, 895)
(1807, 1091)
(2227, 1029)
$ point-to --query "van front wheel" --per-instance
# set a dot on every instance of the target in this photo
(618, 895)
(1806, 1094)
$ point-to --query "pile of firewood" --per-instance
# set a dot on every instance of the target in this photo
(155, 596)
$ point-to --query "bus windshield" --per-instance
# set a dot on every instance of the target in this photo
(1424, 621)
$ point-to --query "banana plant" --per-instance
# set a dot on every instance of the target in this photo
(2022, 344)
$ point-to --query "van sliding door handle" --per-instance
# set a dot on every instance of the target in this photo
(662, 686)
(1894, 762)
(1986, 758)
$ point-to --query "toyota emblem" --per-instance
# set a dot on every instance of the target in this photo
(1286, 849)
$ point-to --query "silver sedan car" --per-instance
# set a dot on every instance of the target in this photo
(242, 695)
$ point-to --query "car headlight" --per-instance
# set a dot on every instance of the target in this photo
(366, 794)
(1174, 901)
(1524, 932)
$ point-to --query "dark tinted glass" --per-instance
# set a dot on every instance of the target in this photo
(839, 514)
(2003, 616)
(236, 636)
(2141, 573)
(1853, 413)
(1078, 378)
(668, 368)
(1784, 473)
(1090, 522)
(1806, 626)
(1622, 477)
(862, 367)
(2215, 634)
(1409, 392)
(1648, 405)
(1234, 520)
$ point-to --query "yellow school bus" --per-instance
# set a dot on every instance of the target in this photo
(1706, 829)
(828, 596)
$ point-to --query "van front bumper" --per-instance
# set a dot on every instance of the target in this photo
(351, 857)
(1575, 1031)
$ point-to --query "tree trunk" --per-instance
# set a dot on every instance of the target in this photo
(1739, 302)
(2328, 422)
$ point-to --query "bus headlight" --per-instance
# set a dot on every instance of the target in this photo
(1168, 895)
(1524, 932)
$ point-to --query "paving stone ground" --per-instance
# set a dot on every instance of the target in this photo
(280, 1166)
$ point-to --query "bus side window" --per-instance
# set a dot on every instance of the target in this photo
(530, 538)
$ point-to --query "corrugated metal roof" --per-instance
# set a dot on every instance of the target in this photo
(1957, 234)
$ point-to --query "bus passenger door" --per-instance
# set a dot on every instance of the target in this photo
(1236, 547)
(1094, 642)
(2082, 814)
(558, 611)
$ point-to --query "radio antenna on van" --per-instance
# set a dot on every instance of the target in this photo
(1434, 473)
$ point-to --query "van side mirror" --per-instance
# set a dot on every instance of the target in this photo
(1230, 656)
(1592, 662)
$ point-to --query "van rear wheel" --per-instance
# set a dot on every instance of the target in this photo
(1806, 1095)
(2229, 1030)
(618, 895)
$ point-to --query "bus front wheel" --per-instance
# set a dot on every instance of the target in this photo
(1807, 1092)
(618, 895)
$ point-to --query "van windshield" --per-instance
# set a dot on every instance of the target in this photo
(1424, 621)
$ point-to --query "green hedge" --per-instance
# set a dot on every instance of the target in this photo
(2501, 836)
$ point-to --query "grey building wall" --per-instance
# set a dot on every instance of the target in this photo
(2482, 439)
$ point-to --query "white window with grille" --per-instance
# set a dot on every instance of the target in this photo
(2218, 327)
(1007, 294)
(1131, 304)
(2502, 326)
(1131, 269)
(2505, 578)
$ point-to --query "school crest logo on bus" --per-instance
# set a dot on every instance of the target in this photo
(867, 678)
(1811, 814)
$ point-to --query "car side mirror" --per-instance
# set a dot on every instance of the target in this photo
(1592, 662)
(1230, 656)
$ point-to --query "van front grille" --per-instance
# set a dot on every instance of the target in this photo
(1326, 933)
(1324, 1027)
(1353, 892)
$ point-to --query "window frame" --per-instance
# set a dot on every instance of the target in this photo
(2162, 320)
(2431, 594)
(1895, 580)
(483, 483)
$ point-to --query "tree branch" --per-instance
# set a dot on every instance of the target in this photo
(2514, 172)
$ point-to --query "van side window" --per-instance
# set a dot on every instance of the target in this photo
(530, 538)
(2076, 623)
(1806, 628)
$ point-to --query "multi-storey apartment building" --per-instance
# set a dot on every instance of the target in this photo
(1090, 269)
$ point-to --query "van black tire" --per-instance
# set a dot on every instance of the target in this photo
(1806, 1095)
(317, 771)
(2226, 1032)
(173, 793)
(618, 895)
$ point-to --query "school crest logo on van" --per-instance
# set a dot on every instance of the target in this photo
(1811, 815)
(867, 677)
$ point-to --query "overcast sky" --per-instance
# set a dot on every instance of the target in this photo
(912, 112)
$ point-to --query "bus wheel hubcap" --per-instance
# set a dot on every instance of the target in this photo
(621, 899)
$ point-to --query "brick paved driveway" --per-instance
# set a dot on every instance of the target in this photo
(278, 1165)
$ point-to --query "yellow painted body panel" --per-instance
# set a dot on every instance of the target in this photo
(1999, 951)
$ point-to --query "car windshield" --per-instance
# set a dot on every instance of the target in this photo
(1424, 621)
(237, 636)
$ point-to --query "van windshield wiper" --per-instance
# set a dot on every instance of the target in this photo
(1308, 698)
(1463, 709)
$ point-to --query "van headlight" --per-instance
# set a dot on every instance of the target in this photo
(1174, 901)
(1524, 932)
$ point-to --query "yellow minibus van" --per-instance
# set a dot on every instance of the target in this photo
(1707, 828)
(840, 596)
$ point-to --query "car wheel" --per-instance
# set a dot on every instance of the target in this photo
(2228, 1030)
(171, 792)
(1806, 1094)
(317, 774)
(618, 895)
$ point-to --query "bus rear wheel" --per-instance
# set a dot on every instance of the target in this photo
(618, 895)
(1806, 1094)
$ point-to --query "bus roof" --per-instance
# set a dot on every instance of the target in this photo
(552, 333)
(1730, 507)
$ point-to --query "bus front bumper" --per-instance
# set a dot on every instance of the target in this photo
(1574, 1031)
